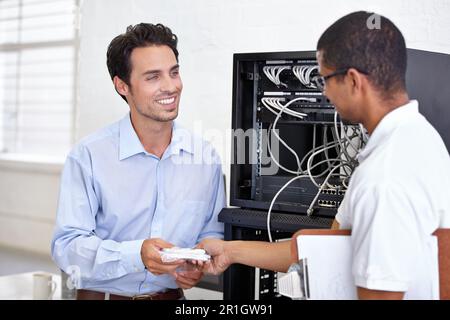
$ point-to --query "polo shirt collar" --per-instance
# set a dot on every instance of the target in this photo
(387, 125)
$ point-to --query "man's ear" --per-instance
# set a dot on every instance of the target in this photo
(121, 87)
(356, 80)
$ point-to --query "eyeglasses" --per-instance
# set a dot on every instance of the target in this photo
(321, 80)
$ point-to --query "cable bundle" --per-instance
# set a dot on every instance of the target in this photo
(304, 74)
(273, 74)
(341, 166)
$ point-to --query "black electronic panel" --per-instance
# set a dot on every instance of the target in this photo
(263, 83)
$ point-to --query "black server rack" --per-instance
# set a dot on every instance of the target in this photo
(255, 178)
(285, 76)
(251, 187)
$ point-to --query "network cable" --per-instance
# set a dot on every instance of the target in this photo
(304, 75)
(344, 159)
(273, 74)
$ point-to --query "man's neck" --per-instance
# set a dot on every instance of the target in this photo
(155, 136)
(378, 109)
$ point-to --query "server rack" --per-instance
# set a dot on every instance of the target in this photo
(254, 183)
(251, 191)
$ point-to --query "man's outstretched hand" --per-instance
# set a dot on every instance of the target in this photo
(220, 260)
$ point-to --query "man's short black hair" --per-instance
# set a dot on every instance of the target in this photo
(374, 46)
(140, 35)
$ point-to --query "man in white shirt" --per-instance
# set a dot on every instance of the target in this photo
(396, 199)
(398, 195)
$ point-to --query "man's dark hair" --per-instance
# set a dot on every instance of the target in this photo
(118, 56)
(375, 48)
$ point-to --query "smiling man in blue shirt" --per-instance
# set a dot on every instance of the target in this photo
(138, 185)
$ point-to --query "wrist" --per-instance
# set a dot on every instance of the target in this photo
(231, 251)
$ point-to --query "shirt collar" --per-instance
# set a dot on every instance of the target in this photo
(130, 145)
(181, 140)
(387, 125)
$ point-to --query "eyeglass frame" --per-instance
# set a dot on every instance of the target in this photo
(333, 74)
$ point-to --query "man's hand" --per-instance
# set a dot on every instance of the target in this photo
(220, 260)
(188, 276)
(152, 259)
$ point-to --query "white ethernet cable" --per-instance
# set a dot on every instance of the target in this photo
(277, 76)
(315, 151)
(312, 154)
(303, 73)
(337, 137)
(299, 115)
(346, 137)
(309, 175)
(276, 103)
(310, 159)
(364, 134)
(273, 73)
(287, 147)
(363, 137)
(349, 164)
(271, 104)
(304, 158)
(268, 74)
(346, 162)
(275, 198)
(337, 131)
(288, 183)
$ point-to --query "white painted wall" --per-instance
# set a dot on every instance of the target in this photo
(28, 196)
(209, 32)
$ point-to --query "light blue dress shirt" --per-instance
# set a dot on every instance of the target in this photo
(114, 195)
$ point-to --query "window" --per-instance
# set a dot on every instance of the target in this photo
(38, 59)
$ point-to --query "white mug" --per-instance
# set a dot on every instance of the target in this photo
(43, 286)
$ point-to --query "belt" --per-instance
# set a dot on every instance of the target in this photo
(170, 294)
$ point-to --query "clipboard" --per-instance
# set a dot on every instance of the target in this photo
(325, 258)
(443, 246)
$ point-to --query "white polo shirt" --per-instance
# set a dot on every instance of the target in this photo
(397, 197)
